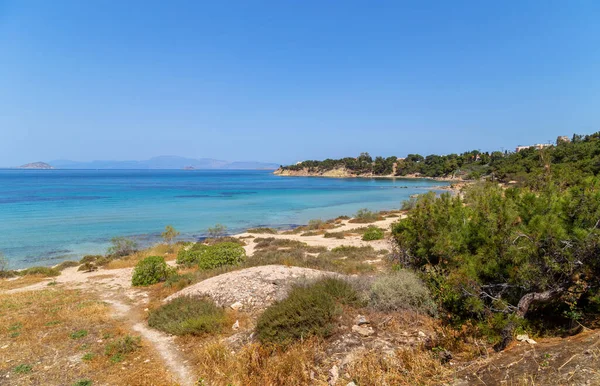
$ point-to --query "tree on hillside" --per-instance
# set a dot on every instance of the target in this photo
(496, 256)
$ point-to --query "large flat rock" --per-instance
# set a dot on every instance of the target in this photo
(251, 289)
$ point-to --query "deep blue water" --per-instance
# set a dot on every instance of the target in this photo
(47, 216)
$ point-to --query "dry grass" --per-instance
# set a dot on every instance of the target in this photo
(255, 365)
(51, 331)
(405, 367)
(20, 281)
(168, 252)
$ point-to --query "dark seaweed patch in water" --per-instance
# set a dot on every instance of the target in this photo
(196, 196)
(14, 200)
(236, 193)
(220, 195)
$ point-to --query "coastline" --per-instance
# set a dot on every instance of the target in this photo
(342, 173)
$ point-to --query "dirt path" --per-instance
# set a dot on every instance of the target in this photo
(114, 287)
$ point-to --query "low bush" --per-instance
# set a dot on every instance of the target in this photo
(190, 256)
(334, 235)
(365, 216)
(119, 348)
(151, 270)
(83, 382)
(401, 290)
(219, 230)
(262, 230)
(224, 239)
(373, 233)
(179, 281)
(66, 264)
(273, 243)
(307, 311)
(87, 267)
(23, 369)
(222, 254)
(79, 334)
(121, 247)
(90, 259)
(44, 271)
(188, 315)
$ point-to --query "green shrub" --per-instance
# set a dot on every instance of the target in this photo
(88, 356)
(118, 349)
(151, 270)
(307, 311)
(83, 382)
(401, 290)
(23, 369)
(334, 235)
(179, 281)
(364, 216)
(3, 263)
(274, 243)
(90, 258)
(262, 230)
(121, 247)
(315, 224)
(190, 257)
(219, 230)
(373, 233)
(87, 267)
(188, 315)
(224, 239)
(45, 271)
(221, 254)
(66, 264)
(79, 334)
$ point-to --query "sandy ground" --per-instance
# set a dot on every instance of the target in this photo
(330, 243)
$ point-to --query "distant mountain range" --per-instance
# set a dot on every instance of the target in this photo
(163, 162)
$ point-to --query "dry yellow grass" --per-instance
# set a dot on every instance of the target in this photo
(21, 281)
(45, 336)
(405, 367)
(256, 365)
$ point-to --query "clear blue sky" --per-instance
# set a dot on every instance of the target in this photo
(283, 81)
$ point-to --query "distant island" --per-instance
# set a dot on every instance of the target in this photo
(37, 165)
(160, 162)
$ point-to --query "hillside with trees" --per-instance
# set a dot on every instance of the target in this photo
(568, 161)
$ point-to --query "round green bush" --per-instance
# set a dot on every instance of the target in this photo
(151, 270)
(221, 254)
(373, 233)
(189, 256)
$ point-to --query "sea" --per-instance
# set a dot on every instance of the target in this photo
(49, 216)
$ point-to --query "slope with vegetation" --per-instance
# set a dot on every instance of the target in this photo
(569, 161)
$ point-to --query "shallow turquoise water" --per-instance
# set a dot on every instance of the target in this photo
(47, 216)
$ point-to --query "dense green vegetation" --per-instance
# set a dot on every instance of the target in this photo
(212, 256)
(567, 161)
(151, 270)
(508, 258)
(188, 315)
(307, 311)
(373, 233)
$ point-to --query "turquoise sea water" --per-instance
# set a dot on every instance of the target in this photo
(47, 216)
